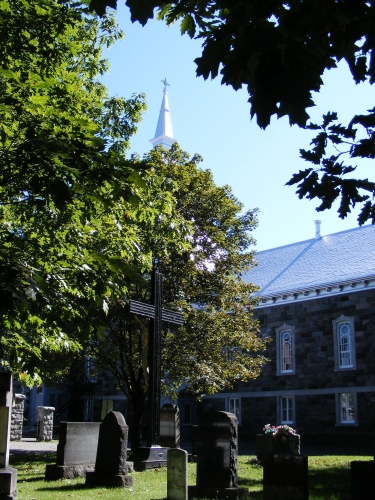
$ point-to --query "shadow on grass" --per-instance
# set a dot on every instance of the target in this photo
(30, 458)
(66, 487)
(329, 481)
(33, 479)
(249, 482)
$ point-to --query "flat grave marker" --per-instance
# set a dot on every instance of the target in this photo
(76, 450)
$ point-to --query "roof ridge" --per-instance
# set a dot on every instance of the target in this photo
(367, 226)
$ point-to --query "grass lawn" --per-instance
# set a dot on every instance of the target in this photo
(329, 479)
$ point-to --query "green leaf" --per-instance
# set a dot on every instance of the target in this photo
(188, 25)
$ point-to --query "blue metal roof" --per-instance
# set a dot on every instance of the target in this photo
(332, 259)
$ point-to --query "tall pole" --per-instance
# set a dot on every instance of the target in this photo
(154, 359)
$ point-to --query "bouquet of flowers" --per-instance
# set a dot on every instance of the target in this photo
(279, 431)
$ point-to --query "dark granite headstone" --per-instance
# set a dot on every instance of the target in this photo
(285, 477)
(8, 475)
(111, 467)
(266, 444)
(170, 426)
(177, 478)
(76, 450)
(362, 479)
(217, 452)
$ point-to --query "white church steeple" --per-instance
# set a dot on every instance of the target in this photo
(164, 133)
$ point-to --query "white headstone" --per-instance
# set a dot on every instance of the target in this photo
(8, 475)
(6, 397)
(177, 474)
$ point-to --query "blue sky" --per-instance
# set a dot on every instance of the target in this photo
(214, 121)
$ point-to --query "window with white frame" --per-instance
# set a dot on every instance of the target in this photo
(285, 349)
(286, 410)
(234, 406)
(344, 343)
(347, 408)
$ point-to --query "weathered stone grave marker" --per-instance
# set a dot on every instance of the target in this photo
(177, 477)
(170, 426)
(76, 450)
(8, 475)
(217, 453)
(111, 467)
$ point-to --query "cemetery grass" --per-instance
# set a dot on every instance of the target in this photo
(329, 479)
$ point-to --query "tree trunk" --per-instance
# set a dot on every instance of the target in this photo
(138, 403)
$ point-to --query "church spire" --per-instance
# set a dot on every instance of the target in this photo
(164, 133)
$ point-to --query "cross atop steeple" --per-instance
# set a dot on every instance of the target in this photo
(166, 84)
(164, 133)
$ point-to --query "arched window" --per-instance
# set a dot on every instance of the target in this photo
(285, 349)
(344, 343)
(345, 352)
(286, 340)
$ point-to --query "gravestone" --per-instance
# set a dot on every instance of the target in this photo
(177, 478)
(170, 426)
(217, 453)
(362, 480)
(111, 467)
(285, 477)
(8, 475)
(267, 444)
(76, 451)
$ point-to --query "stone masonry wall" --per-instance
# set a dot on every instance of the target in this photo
(314, 343)
(315, 412)
(45, 423)
(16, 423)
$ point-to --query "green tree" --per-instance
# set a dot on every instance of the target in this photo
(218, 342)
(279, 50)
(70, 208)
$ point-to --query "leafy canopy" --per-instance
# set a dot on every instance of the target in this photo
(71, 205)
(218, 342)
(279, 50)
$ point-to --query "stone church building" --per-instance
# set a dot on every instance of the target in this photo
(317, 304)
